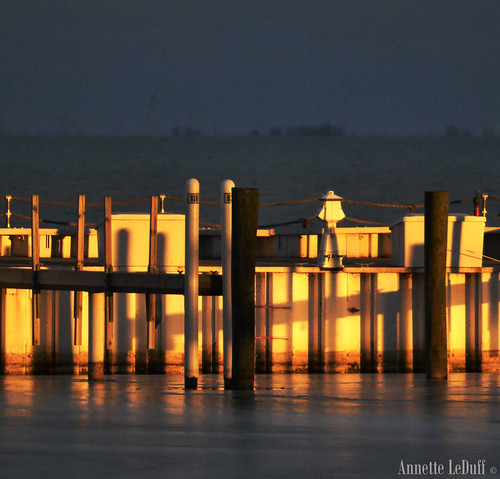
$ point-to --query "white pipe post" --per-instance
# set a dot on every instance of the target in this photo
(191, 362)
(226, 235)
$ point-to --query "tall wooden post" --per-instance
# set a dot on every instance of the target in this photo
(315, 356)
(435, 248)
(153, 268)
(97, 336)
(473, 350)
(108, 253)
(80, 254)
(35, 261)
(245, 220)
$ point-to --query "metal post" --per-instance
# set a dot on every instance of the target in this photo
(191, 361)
(8, 213)
(435, 249)
(244, 227)
(226, 221)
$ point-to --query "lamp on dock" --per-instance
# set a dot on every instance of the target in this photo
(331, 213)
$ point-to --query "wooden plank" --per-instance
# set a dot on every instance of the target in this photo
(99, 281)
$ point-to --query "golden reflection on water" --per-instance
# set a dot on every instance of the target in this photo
(462, 396)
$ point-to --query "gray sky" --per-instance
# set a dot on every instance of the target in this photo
(227, 66)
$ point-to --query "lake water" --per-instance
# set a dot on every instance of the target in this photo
(291, 426)
(381, 170)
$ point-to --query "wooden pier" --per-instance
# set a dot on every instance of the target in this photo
(77, 302)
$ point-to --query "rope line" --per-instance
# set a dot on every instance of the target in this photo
(57, 203)
(366, 222)
(305, 221)
(128, 202)
(282, 203)
(465, 200)
(383, 205)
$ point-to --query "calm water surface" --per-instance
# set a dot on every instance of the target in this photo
(290, 426)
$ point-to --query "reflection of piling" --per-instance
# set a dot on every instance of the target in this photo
(244, 227)
(436, 234)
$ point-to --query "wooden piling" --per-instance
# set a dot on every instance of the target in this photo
(244, 228)
(152, 268)
(206, 334)
(315, 356)
(435, 249)
(191, 358)
(405, 324)
(97, 339)
(368, 329)
(473, 301)
(80, 253)
(108, 255)
(35, 263)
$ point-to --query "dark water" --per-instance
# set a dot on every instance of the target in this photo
(380, 170)
(291, 426)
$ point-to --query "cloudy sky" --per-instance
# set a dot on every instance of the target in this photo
(229, 66)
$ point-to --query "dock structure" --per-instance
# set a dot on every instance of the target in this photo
(112, 298)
